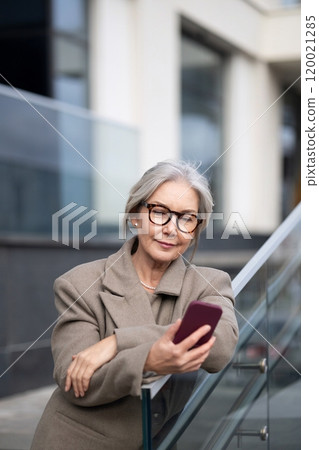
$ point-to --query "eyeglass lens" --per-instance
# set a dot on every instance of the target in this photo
(160, 215)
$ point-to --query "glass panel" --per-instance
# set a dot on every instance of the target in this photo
(250, 435)
(43, 169)
(70, 89)
(255, 401)
(252, 296)
(169, 403)
(284, 335)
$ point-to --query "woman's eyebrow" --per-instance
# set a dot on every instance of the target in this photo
(165, 206)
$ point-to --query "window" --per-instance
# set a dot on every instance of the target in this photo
(69, 51)
(201, 109)
(44, 47)
(290, 144)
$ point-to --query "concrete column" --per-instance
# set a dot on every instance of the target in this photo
(158, 35)
(252, 159)
(114, 97)
(113, 60)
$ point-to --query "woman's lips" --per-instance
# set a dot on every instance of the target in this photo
(166, 244)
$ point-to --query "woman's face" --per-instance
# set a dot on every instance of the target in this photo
(164, 243)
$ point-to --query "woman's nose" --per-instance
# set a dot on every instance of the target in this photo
(170, 228)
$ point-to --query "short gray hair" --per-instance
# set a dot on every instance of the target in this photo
(171, 170)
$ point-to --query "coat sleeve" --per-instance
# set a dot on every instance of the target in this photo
(133, 336)
(219, 292)
(78, 328)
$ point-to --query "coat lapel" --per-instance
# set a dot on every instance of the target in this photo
(124, 297)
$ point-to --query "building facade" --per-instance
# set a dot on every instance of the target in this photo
(206, 81)
(213, 82)
(93, 93)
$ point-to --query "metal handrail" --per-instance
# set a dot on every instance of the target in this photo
(255, 263)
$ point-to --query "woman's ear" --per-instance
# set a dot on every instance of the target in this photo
(135, 222)
(134, 219)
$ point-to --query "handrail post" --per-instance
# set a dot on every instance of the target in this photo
(146, 419)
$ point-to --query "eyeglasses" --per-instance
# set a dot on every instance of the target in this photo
(160, 215)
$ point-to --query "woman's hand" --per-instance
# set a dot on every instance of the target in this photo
(85, 363)
(166, 357)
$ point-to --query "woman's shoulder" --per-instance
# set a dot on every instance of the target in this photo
(206, 273)
(93, 272)
(204, 281)
(84, 272)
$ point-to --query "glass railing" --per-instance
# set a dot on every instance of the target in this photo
(255, 401)
(52, 155)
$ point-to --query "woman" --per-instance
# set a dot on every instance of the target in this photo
(119, 316)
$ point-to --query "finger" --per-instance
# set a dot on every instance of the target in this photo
(75, 378)
(68, 381)
(194, 358)
(193, 338)
(196, 352)
(195, 363)
(80, 377)
(67, 385)
(170, 333)
(207, 345)
(86, 378)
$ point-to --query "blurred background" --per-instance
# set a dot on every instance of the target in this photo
(93, 93)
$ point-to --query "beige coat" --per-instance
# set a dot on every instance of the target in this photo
(103, 297)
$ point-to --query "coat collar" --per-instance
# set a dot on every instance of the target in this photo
(120, 274)
(125, 299)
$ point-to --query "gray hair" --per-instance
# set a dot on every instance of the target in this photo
(171, 170)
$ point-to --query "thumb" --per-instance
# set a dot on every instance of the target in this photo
(170, 333)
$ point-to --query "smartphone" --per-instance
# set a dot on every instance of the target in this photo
(198, 314)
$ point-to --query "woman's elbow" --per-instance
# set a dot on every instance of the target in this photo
(221, 353)
(217, 363)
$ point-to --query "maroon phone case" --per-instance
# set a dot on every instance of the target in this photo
(198, 314)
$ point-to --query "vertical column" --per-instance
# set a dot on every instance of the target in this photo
(113, 86)
(158, 49)
(252, 159)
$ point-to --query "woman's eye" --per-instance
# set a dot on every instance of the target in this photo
(158, 212)
(187, 219)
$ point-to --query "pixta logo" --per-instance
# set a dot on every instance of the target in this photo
(61, 226)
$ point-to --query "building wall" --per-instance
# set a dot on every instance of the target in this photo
(135, 80)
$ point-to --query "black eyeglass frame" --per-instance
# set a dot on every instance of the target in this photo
(150, 206)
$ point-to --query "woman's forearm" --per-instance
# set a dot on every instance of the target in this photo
(86, 362)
